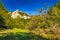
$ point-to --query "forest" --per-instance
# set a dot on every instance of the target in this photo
(40, 27)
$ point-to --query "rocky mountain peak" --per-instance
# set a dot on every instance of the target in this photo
(16, 11)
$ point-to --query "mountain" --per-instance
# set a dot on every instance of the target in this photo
(20, 14)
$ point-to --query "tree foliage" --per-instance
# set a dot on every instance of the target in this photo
(45, 20)
(3, 15)
(54, 12)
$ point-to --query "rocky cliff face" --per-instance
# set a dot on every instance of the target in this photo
(17, 13)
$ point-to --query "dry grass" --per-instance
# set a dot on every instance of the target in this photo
(53, 34)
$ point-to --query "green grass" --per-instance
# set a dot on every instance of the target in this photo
(18, 34)
(23, 34)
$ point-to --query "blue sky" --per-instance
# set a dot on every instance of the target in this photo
(28, 6)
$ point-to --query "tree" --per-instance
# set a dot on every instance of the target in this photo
(39, 22)
(54, 12)
(4, 14)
